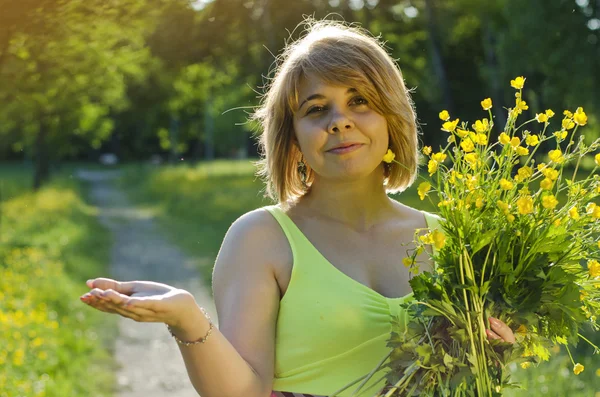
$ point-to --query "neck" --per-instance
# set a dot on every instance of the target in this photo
(358, 204)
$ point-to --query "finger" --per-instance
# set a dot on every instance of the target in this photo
(123, 287)
(104, 305)
(492, 335)
(502, 330)
(122, 302)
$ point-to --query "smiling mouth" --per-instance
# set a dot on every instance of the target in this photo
(345, 149)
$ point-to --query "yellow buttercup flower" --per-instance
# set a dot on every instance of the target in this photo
(556, 223)
(504, 138)
(407, 262)
(549, 113)
(481, 126)
(467, 145)
(520, 106)
(479, 202)
(432, 167)
(567, 113)
(518, 82)
(549, 201)
(486, 104)
(596, 212)
(524, 173)
(439, 157)
(560, 135)
(439, 239)
(573, 213)
(427, 150)
(462, 133)
(597, 159)
(593, 268)
(578, 368)
(556, 156)
(550, 173)
(505, 184)
(515, 141)
(541, 118)
(481, 139)
(522, 151)
(568, 124)
(389, 156)
(580, 117)
(510, 218)
(449, 126)
(526, 364)
(525, 205)
(423, 189)
(454, 176)
(444, 115)
(532, 140)
(472, 159)
(502, 205)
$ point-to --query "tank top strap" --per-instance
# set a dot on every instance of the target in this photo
(289, 228)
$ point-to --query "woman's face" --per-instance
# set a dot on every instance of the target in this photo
(329, 116)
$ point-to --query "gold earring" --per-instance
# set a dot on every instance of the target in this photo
(302, 170)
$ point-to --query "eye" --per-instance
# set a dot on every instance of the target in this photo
(315, 109)
(359, 100)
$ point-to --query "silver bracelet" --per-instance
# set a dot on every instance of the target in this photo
(201, 340)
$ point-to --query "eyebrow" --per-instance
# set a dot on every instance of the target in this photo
(321, 96)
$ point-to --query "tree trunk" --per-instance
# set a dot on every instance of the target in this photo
(436, 56)
(41, 158)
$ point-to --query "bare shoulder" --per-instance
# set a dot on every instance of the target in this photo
(412, 218)
(255, 239)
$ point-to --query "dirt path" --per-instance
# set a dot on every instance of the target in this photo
(150, 362)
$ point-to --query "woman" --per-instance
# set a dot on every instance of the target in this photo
(305, 290)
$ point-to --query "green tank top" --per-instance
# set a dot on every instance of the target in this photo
(331, 329)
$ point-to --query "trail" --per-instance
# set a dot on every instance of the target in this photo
(149, 359)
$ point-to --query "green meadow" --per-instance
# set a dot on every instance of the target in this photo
(50, 243)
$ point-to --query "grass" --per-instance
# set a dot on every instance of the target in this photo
(50, 243)
(196, 204)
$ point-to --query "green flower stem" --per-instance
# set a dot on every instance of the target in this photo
(527, 122)
(405, 379)
(591, 344)
(570, 356)
(478, 379)
(368, 376)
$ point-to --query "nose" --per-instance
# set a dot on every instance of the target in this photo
(339, 122)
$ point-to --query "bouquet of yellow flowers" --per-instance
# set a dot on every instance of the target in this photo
(518, 241)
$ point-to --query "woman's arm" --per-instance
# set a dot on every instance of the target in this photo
(238, 358)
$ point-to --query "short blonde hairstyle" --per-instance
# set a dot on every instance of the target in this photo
(339, 54)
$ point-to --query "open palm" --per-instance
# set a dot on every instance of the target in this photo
(142, 301)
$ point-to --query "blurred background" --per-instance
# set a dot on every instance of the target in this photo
(142, 106)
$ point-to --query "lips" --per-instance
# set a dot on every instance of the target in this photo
(346, 149)
(345, 145)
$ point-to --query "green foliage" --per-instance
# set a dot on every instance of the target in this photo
(50, 243)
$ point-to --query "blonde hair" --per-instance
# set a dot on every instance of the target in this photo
(339, 54)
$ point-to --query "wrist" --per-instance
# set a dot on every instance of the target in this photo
(194, 325)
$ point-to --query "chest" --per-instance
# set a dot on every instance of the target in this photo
(373, 259)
